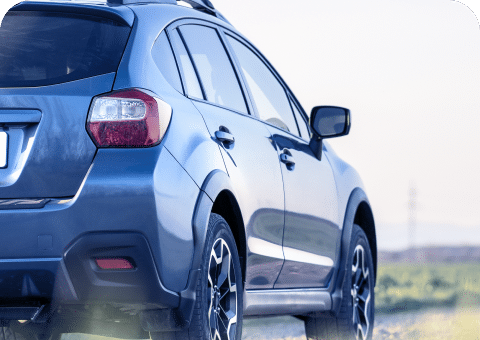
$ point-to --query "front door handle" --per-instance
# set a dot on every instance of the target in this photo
(287, 159)
(225, 137)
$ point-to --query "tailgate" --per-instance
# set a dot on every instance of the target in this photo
(54, 58)
(48, 150)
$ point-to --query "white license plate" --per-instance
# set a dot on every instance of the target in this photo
(3, 149)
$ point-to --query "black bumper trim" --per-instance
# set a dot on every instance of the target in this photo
(141, 285)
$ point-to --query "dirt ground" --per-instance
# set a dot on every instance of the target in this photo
(462, 323)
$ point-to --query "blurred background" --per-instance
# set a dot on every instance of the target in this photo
(409, 71)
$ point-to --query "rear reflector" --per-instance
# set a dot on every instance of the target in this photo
(128, 118)
(115, 263)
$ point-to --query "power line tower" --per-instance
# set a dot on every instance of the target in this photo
(412, 214)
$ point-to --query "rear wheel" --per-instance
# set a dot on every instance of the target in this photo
(356, 316)
(218, 309)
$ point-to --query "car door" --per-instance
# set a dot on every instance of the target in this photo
(311, 234)
(246, 145)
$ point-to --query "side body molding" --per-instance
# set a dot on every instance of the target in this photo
(214, 183)
(356, 198)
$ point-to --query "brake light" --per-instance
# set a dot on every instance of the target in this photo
(128, 118)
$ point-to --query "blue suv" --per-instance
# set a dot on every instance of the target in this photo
(158, 179)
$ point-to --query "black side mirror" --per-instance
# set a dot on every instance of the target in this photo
(327, 122)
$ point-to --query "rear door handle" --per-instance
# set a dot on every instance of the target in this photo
(287, 159)
(224, 137)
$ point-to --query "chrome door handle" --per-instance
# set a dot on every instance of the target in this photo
(287, 159)
(224, 137)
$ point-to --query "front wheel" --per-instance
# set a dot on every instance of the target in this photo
(218, 311)
(356, 316)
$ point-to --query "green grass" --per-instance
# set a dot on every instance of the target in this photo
(402, 287)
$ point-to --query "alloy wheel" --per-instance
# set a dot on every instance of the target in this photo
(361, 293)
(222, 293)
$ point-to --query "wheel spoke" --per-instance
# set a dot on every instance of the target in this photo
(217, 335)
(232, 328)
(223, 323)
(224, 270)
(223, 293)
(364, 296)
(361, 292)
(213, 320)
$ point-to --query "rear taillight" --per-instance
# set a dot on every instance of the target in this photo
(128, 118)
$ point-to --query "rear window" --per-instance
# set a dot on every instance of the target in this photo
(42, 48)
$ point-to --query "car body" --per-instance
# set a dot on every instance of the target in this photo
(100, 228)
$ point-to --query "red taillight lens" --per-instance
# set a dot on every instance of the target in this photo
(128, 118)
(114, 263)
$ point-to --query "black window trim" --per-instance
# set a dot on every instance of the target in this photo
(181, 22)
(179, 32)
(294, 102)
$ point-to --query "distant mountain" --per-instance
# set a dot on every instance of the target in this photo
(440, 254)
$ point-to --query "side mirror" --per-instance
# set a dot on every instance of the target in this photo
(327, 122)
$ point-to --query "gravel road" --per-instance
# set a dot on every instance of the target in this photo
(431, 324)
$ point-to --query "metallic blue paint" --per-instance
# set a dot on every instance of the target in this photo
(57, 140)
(153, 204)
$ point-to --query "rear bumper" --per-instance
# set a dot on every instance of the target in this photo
(30, 287)
(135, 203)
(76, 279)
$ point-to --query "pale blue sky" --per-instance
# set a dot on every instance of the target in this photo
(409, 71)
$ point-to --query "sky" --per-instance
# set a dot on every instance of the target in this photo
(409, 72)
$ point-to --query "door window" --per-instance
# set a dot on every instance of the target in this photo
(220, 84)
(267, 93)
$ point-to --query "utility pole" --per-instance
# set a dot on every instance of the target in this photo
(412, 215)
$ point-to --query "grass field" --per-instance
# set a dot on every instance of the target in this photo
(402, 287)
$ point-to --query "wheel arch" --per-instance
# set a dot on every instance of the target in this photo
(364, 218)
(218, 196)
(226, 205)
(358, 212)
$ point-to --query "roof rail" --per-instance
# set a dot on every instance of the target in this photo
(200, 5)
(204, 6)
(130, 2)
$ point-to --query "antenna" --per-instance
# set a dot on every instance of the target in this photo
(412, 214)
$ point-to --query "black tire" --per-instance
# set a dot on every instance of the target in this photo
(217, 308)
(356, 316)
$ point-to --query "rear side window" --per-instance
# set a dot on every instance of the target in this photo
(191, 81)
(42, 48)
(214, 68)
(163, 56)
